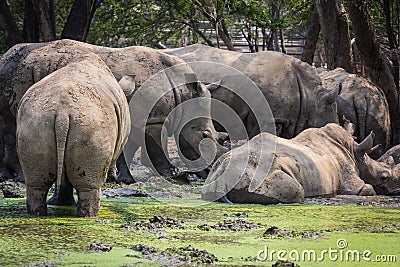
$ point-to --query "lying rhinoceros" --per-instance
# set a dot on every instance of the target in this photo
(363, 103)
(72, 125)
(25, 64)
(292, 88)
(318, 162)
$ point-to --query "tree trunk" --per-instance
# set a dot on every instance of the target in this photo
(282, 39)
(311, 39)
(335, 30)
(224, 35)
(11, 31)
(393, 46)
(30, 31)
(46, 20)
(248, 37)
(376, 64)
(193, 25)
(79, 19)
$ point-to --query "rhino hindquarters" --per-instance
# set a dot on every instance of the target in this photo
(38, 157)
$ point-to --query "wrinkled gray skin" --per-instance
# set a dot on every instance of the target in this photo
(318, 162)
(25, 64)
(72, 126)
(363, 103)
(292, 88)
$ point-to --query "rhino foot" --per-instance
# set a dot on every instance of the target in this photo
(19, 176)
(63, 197)
(367, 190)
(123, 174)
(225, 199)
(5, 175)
(125, 178)
(88, 203)
(180, 178)
(61, 201)
(112, 174)
(36, 201)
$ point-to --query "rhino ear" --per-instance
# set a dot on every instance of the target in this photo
(348, 126)
(390, 161)
(194, 85)
(127, 84)
(330, 97)
(365, 147)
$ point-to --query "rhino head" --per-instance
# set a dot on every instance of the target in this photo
(383, 174)
(199, 142)
(324, 109)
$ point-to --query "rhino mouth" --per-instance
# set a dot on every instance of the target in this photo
(395, 193)
(383, 190)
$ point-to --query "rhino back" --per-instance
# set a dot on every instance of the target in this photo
(88, 93)
(290, 86)
(30, 63)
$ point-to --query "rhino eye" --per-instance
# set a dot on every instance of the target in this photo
(385, 176)
(207, 134)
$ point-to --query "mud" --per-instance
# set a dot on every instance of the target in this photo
(155, 224)
(285, 264)
(372, 201)
(12, 189)
(100, 247)
(275, 232)
(182, 256)
(229, 225)
(40, 264)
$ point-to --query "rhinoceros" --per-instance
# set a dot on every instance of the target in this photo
(72, 125)
(292, 88)
(318, 162)
(25, 64)
(363, 103)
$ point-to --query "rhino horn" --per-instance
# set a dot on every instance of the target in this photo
(213, 86)
(331, 96)
(365, 147)
(375, 148)
(348, 126)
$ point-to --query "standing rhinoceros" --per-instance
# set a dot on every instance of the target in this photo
(25, 64)
(292, 88)
(363, 103)
(318, 162)
(72, 126)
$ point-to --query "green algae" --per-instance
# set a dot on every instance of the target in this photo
(63, 239)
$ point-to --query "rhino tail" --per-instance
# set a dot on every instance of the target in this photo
(361, 110)
(61, 129)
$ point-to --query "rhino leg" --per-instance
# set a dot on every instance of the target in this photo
(155, 156)
(36, 200)
(112, 173)
(123, 174)
(284, 188)
(89, 202)
(11, 160)
(64, 196)
(367, 190)
(37, 188)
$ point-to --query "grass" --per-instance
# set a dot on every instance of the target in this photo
(63, 240)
